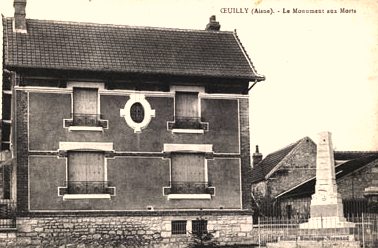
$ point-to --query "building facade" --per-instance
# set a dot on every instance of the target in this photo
(134, 131)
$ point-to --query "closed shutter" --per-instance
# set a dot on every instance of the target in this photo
(86, 173)
(186, 104)
(188, 167)
(85, 101)
(77, 167)
(95, 167)
(85, 166)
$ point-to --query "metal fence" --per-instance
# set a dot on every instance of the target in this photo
(80, 119)
(292, 208)
(364, 232)
(7, 214)
(87, 187)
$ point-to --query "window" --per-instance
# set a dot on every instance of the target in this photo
(86, 172)
(188, 167)
(187, 114)
(178, 227)
(199, 227)
(85, 102)
(187, 110)
(137, 112)
(85, 114)
(289, 211)
(188, 173)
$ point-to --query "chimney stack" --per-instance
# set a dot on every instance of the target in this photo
(257, 157)
(213, 25)
(19, 16)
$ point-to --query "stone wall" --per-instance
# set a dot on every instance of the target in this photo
(8, 239)
(354, 184)
(296, 168)
(120, 231)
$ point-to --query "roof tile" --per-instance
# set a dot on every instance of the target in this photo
(126, 49)
(269, 162)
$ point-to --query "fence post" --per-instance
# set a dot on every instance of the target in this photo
(258, 228)
(321, 228)
(363, 230)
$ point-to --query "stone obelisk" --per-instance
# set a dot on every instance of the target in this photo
(326, 209)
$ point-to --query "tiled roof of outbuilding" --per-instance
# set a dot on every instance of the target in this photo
(269, 162)
(126, 49)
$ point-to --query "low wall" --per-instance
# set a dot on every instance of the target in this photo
(8, 239)
(120, 231)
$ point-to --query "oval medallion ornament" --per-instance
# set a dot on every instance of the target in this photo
(137, 112)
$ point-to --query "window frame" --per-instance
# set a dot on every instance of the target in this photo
(101, 124)
(178, 231)
(196, 224)
(100, 147)
(149, 113)
(207, 151)
(172, 125)
(75, 155)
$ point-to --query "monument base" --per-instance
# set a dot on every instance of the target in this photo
(326, 222)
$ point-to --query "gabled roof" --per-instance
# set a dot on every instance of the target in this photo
(307, 188)
(262, 169)
(126, 49)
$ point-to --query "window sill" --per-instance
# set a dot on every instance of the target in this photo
(177, 130)
(189, 197)
(85, 196)
(85, 128)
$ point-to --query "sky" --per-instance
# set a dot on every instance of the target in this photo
(321, 69)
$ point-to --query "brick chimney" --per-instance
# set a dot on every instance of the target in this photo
(257, 157)
(19, 16)
(213, 25)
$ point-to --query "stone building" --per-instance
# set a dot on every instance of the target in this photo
(125, 135)
(283, 182)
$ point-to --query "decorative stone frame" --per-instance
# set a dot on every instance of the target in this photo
(86, 146)
(207, 150)
(204, 126)
(67, 123)
(148, 112)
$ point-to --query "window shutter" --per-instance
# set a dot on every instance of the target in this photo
(85, 101)
(77, 170)
(95, 167)
(85, 166)
(186, 104)
(188, 167)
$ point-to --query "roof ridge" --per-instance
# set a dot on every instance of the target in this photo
(291, 144)
(122, 26)
(289, 152)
